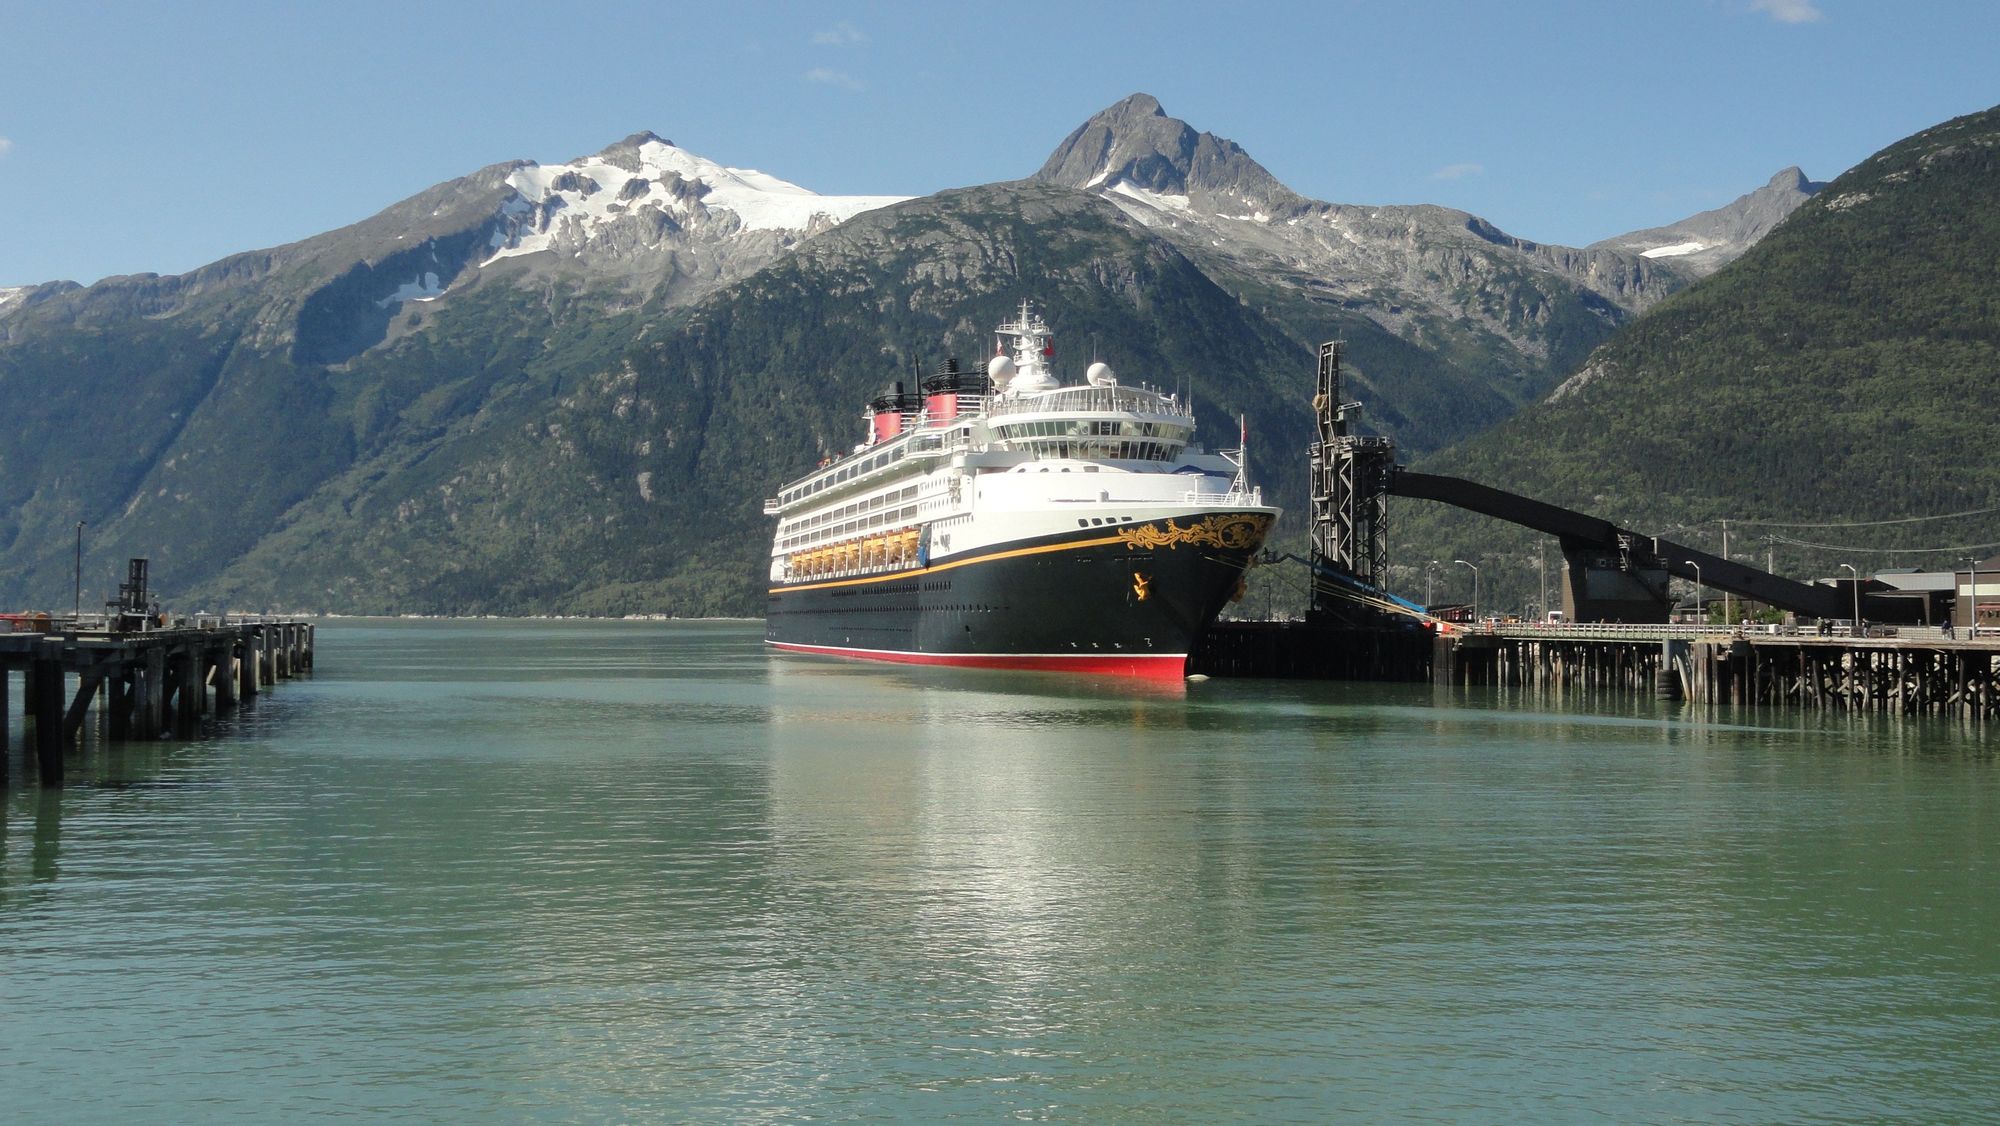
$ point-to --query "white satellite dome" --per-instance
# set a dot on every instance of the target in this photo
(1101, 375)
(1000, 369)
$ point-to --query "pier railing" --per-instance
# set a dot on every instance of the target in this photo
(1920, 670)
(1618, 631)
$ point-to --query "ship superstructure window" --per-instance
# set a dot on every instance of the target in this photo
(1099, 438)
(1093, 428)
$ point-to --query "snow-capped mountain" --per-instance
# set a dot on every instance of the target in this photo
(1134, 151)
(643, 215)
(1704, 243)
(643, 193)
(1444, 281)
(566, 385)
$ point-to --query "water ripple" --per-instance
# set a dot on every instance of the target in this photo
(523, 872)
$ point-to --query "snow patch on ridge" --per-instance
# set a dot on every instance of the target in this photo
(425, 288)
(1675, 250)
(594, 191)
(1152, 199)
(12, 295)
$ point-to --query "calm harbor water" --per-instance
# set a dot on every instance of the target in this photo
(645, 872)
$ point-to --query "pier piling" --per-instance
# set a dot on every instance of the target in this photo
(144, 683)
(1920, 672)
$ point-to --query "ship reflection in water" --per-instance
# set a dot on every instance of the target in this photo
(1012, 843)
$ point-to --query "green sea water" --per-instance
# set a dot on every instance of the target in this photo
(638, 872)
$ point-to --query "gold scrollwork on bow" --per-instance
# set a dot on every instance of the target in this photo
(1240, 533)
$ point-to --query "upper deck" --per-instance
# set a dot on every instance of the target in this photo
(1015, 411)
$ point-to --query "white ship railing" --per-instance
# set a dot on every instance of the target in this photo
(1068, 399)
(1253, 498)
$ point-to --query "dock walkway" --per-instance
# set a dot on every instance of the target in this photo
(1912, 670)
(147, 683)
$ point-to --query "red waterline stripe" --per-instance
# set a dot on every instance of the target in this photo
(1163, 666)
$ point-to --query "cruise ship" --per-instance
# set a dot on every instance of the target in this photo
(998, 518)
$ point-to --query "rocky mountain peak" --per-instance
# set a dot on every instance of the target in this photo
(1704, 243)
(1793, 179)
(1134, 147)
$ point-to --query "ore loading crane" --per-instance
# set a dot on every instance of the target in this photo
(1613, 574)
(1350, 514)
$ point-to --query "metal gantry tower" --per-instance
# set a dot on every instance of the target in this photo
(1350, 481)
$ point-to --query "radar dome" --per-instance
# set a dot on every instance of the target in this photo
(1101, 375)
(1000, 368)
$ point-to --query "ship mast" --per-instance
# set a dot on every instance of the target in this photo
(1034, 350)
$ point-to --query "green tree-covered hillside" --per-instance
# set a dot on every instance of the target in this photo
(1846, 370)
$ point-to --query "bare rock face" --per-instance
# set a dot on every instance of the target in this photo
(1704, 243)
(1135, 143)
(646, 298)
(1434, 276)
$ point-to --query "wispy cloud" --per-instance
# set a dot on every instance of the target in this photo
(1788, 11)
(1458, 171)
(5, 145)
(827, 76)
(842, 34)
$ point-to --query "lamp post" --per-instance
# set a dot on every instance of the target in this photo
(1728, 613)
(1542, 577)
(1697, 589)
(1430, 569)
(1854, 576)
(77, 614)
(1475, 590)
(1972, 598)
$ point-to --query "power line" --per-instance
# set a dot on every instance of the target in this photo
(1863, 523)
(1850, 548)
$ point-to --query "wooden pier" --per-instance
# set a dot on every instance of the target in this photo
(1917, 672)
(145, 684)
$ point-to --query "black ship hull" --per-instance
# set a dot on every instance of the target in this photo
(1125, 601)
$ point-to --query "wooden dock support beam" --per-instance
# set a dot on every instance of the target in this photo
(144, 683)
(246, 666)
(47, 714)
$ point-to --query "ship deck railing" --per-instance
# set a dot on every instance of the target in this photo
(1068, 399)
(1254, 498)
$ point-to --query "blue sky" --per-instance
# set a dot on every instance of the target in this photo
(155, 137)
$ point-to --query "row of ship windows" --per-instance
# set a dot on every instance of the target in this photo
(848, 473)
(859, 507)
(1129, 451)
(1094, 428)
(903, 515)
(920, 586)
(1094, 521)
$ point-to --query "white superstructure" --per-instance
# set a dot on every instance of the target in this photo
(978, 459)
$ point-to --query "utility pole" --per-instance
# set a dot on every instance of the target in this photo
(1542, 569)
(1728, 616)
(1475, 588)
(77, 613)
(1854, 577)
